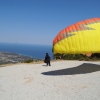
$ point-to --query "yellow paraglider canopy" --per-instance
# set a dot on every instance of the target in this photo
(81, 37)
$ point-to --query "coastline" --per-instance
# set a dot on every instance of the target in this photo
(13, 58)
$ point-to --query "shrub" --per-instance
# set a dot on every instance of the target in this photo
(95, 56)
(28, 61)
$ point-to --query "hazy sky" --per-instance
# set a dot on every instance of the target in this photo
(39, 21)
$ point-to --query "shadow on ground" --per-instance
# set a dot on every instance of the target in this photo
(81, 69)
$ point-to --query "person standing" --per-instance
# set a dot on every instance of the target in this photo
(47, 59)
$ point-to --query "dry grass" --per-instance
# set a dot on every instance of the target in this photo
(4, 65)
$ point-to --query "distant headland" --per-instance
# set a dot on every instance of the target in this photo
(10, 58)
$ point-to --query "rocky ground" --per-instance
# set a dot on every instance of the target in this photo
(7, 58)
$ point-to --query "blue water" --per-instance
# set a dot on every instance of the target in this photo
(35, 51)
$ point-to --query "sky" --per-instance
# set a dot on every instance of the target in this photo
(39, 21)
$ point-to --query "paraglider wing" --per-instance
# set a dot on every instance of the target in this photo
(81, 37)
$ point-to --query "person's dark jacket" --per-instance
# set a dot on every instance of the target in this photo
(47, 58)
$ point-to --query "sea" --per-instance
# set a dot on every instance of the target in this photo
(31, 50)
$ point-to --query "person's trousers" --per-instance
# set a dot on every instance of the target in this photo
(48, 63)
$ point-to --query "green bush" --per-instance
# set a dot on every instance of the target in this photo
(93, 57)
(28, 61)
